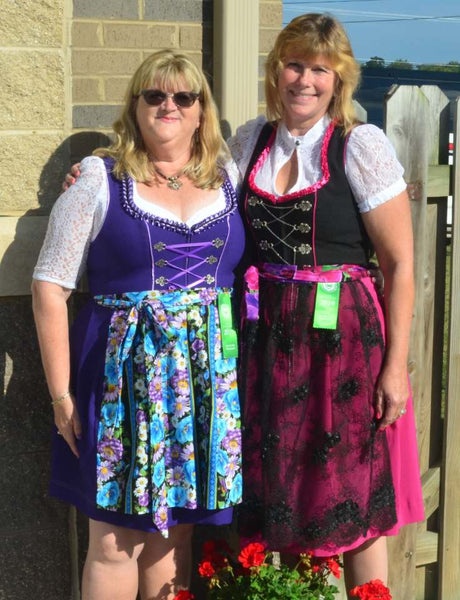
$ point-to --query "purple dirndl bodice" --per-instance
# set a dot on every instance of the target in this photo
(137, 251)
(157, 398)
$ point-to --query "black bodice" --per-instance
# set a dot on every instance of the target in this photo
(317, 226)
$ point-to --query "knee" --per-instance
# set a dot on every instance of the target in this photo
(115, 547)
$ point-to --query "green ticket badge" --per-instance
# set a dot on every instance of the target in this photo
(326, 306)
(229, 338)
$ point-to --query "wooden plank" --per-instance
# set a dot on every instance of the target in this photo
(361, 112)
(427, 548)
(438, 124)
(423, 400)
(427, 417)
(433, 306)
(401, 555)
(450, 476)
(428, 585)
(430, 484)
(438, 181)
(405, 108)
(438, 333)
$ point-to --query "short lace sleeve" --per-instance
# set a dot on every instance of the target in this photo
(233, 174)
(373, 171)
(75, 220)
(242, 143)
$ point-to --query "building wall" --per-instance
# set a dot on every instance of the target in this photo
(111, 38)
(64, 65)
(34, 68)
(271, 19)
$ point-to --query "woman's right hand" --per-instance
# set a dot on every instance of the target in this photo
(67, 421)
(71, 177)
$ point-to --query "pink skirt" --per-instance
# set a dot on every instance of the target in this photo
(319, 475)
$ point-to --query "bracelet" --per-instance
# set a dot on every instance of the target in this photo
(61, 398)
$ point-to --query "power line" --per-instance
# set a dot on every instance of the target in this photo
(448, 19)
(380, 15)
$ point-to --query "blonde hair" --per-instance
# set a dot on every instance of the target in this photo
(208, 152)
(308, 36)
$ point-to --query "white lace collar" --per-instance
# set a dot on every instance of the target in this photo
(288, 141)
(308, 153)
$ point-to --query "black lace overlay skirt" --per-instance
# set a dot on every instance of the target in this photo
(317, 471)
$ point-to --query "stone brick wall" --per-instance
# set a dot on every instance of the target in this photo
(64, 65)
(110, 39)
(34, 125)
(271, 19)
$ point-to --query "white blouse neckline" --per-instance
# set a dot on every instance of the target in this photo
(290, 142)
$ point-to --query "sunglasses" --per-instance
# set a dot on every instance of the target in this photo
(181, 99)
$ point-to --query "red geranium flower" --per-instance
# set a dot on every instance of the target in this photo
(334, 567)
(205, 569)
(252, 556)
(212, 555)
(374, 590)
(184, 595)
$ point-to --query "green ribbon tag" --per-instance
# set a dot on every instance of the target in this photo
(229, 338)
(326, 306)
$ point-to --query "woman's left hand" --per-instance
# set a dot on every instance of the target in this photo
(391, 395)
(67, 421)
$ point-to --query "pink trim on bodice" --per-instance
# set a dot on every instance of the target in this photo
(310, 190)
(313, 233)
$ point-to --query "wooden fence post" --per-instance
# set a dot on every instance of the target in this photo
(429, 402)
(449, 588)
(406, 120)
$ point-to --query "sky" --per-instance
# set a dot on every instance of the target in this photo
(420, 31)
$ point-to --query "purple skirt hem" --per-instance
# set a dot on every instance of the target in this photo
(176, 516)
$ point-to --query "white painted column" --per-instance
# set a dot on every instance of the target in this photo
(236, 58)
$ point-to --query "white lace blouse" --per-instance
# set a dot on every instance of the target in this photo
(372, 169)
(79, 213)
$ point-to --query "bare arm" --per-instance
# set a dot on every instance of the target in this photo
(390, 229)
(50, 312)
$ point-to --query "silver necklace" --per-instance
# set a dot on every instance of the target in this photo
(173, 180)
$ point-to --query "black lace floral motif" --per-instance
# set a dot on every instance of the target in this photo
(383, 498)
(371, 337)
(347, 518)
(280, 512)
(370, 333)
(321, 454)
(285, 343)
(300, 393)
(348, 389)
(327, 342)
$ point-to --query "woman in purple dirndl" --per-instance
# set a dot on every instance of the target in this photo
(147, 438)
(329, 442)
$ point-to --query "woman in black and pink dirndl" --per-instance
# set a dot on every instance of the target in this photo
(329, 440)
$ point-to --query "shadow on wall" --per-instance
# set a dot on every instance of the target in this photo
(34, 528)
(20, 257)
